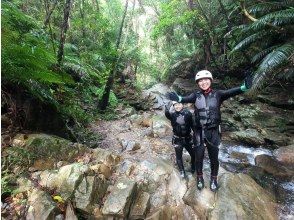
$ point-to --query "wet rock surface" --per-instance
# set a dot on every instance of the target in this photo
(133, 174)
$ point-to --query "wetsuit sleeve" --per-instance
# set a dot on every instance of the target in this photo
(167, 114)
(188, 99)
(225, 94)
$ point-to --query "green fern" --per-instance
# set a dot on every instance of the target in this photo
(267, 7)
(262, 53)
(249, 40)
(276, 58)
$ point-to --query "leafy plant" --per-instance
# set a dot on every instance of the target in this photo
(269, 38)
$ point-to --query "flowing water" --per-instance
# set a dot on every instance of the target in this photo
(237, 158)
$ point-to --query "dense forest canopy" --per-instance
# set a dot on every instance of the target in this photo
(70, 54)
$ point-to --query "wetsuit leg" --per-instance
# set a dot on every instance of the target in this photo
(179, 155)
(213, 141)
(188, 147)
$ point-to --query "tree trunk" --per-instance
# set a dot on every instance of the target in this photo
(103, 103)
(63, 31)
(82, 5)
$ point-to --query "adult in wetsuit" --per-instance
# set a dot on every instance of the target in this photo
(182, 123)
(207, 104)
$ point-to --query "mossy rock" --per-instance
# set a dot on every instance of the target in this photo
(46, 148)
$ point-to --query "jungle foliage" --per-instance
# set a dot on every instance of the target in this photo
(225, 36)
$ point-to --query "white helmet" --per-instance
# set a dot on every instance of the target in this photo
(203, 74)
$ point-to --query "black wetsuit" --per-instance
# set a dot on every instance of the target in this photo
(207, 121)
(182, 123)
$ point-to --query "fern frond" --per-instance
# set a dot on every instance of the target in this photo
(249, 40)
(267, 7)
(276, 58)
(262, 53)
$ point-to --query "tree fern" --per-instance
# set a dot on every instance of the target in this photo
(249, 40)
(262, 54)
(276, 58)
(267, 7)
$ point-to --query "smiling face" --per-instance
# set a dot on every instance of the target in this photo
(204, 83)
(178, 106)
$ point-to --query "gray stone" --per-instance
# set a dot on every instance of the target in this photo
(140, 206)
(274, 167)
(89, 192)
(65, 180)
(250, 136)
(161, 126)
(105, 156)
(119, 200)
(285, 155)
(240, 197)
(41, 206)
(44, 146)
(70, 213)
(184, 86)
(201, 201)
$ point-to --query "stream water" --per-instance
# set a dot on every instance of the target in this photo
(239, 158)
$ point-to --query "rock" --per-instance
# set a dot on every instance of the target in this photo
(277, 101)
(250, 136)
(49, 148)
(105, 156)
(239, 197)
(156, 95)
(70, 213)
(102, 169)
(41, 206)
(126, 112)
(89, 192)
(24, 184)
(140, 206)
(65, 180)
(285, 155)
(130, 145)
(172, 212)
(161, 126)
(201, 201)
(119, 200)
(272, 166)
(126, 167)
(184, 86)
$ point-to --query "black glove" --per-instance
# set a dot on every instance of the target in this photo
(172, 96)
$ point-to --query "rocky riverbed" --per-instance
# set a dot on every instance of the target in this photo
(133, 174)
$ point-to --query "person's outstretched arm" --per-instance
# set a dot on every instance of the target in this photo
(185, 99)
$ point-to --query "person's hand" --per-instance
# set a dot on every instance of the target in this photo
(167, 106)
(247, 82)
(173, 96)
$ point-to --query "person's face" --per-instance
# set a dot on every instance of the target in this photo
(178, 106)
(204, 83)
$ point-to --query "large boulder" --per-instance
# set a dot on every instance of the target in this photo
(118, 202)
(156, 96)
(46, 150)
(184, 86)
(274, 167)
(249, 136)
(285, 155)
(241, 198)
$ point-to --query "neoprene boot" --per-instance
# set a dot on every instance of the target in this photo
(182, 174)
(213, 184)
(200, 182)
